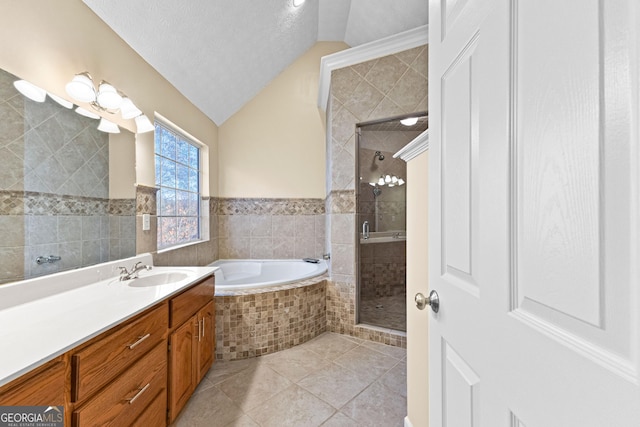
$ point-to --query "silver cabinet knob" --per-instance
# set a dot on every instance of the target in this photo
(433, 301)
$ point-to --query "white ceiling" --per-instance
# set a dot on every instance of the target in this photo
(221, 53)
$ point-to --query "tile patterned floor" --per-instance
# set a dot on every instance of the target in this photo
(386, 312)
(333, 380)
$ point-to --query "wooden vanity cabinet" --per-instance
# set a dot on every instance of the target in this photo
(44, 386)
(139, 373)
(118, 376)
(191, 343)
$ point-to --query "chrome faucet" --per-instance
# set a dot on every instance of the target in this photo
(365, 230)
(133, 274)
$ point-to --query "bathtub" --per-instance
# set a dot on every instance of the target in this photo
(264, 306)
(247, 274)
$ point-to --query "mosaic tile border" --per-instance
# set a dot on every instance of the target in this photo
(146, 200)
(256, 324)
(122, 207)
(342, 201)
(11, 202)
(249, 206)
(35, 203)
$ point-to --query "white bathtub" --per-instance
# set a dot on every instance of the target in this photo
(243, 274)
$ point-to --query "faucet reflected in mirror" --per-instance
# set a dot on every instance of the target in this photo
(56, 213)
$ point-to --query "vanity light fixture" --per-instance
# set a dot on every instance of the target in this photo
(81, 88)
(388, 180)
(107, 126)
(106, 99)
(30, 90)
(61, 101)
(409, 121)
(87, 113)
(143, 124)
(128, 110)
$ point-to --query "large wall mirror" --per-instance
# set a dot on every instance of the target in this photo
(57, 208)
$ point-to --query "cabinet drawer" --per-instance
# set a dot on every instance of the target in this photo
(95, 365)
(189, 302)
(126, 398)
(156, 413)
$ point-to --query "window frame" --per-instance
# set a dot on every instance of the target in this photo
(161, 127)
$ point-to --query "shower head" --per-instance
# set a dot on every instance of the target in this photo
(379, 155)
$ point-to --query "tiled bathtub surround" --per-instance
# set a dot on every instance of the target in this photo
(255, 323)
(271, 228)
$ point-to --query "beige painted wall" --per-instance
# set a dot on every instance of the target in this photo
(47, 42)
(417, 281)
(122, 172)
(275, 145)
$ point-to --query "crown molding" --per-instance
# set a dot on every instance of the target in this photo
(419, 145)
(365, 52)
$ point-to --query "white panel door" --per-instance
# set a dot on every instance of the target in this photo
(534, 213)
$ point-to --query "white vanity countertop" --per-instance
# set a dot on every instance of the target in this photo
(43, 318)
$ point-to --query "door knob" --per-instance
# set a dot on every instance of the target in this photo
(433, 300)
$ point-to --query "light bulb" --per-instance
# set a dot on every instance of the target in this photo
(143, 124)
(108, 97)
(400, 181)
(30, 90)
(128, 110)
(394, 179)
(61, 101)
(107, 126)
(387, 179)
(87, 113)
(381, 181)
(81, 88)
(409, 121)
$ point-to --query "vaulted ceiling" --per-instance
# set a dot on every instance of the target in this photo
(221, 53)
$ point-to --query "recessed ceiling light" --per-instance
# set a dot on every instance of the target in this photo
(297, 3)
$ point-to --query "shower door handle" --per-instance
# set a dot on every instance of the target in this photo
(365, 230)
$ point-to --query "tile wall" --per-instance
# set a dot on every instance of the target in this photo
(271, 228)
(146, 241)
(54, 189)
(385, 87)
(250, 324)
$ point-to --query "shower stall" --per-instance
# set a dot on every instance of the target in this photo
(381, 219)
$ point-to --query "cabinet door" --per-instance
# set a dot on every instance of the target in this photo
(206, 339)
(183, 366)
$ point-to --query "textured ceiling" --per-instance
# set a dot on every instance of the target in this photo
(221, 53)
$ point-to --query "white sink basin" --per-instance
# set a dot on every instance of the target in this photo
(157, 279)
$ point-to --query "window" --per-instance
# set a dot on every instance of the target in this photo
(178, 177)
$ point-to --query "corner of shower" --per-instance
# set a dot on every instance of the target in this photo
(381, 224)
